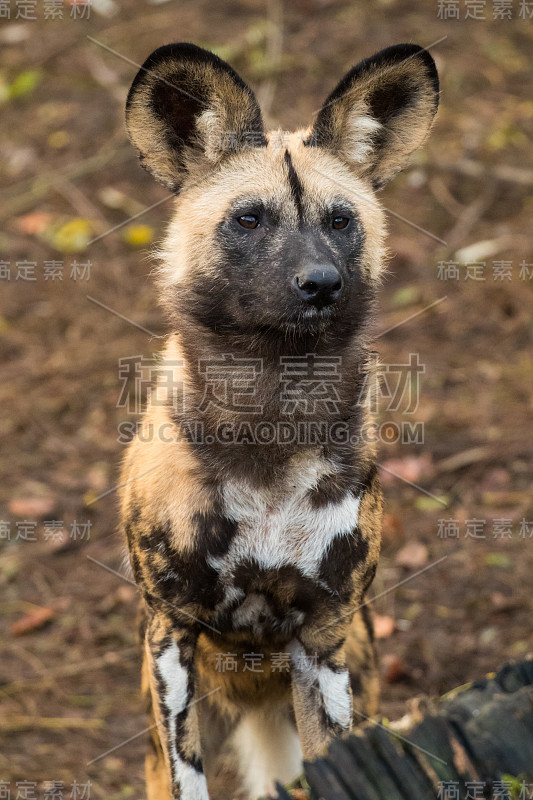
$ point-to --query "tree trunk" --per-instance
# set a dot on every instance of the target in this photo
(476, 742)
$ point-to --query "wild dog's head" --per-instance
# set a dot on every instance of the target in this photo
(273, 231)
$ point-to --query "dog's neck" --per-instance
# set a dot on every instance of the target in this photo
(249, 404)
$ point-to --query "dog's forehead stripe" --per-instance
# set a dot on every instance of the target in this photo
(294, 183)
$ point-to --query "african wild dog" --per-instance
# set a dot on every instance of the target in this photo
(247, 543)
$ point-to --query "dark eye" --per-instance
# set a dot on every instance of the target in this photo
(338, 223)
(248, 221)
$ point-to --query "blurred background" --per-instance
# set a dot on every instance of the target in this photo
(77, 301)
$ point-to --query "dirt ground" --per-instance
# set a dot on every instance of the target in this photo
(459, 509)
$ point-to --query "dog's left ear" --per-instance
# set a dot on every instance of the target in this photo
(380, 112)
(187, 110)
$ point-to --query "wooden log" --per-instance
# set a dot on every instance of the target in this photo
(482, 732)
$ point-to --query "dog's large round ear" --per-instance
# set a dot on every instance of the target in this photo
(380, 112)
(186, 110)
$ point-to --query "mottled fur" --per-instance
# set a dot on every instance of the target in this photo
(240, 545)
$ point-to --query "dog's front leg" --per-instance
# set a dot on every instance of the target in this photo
(170, 651)
(322, 696)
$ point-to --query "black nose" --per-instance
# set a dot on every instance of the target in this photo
(320, 285)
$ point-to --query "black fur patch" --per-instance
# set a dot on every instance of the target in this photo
(136, 567)
(157, 539)
(344, 555)
(187, 577)
(284, 588)
(355, 683)
(331, 489)
(214, 534)
(297, 189)
(390, 99)
(369, 477)
(368, 577)
(368, 622)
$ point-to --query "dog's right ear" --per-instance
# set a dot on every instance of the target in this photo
(380, 112)
(186, 110)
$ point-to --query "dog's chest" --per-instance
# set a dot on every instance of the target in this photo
(274, 564)
(283, 528)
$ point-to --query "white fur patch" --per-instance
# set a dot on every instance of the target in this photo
(268, 750)
(175, 678)
(278, 525)
(335, 691)
(333, 687)
(358, 134)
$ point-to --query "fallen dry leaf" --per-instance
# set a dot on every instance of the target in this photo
(411, 468)
(32, 621)
(464, 459)
(394, 668)
(35, 222)
(138, 235)
(495, 480)
(383, 626)
(503, 603)
(413, 555)
(505, 499)
(32, 507)
(392, 527)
